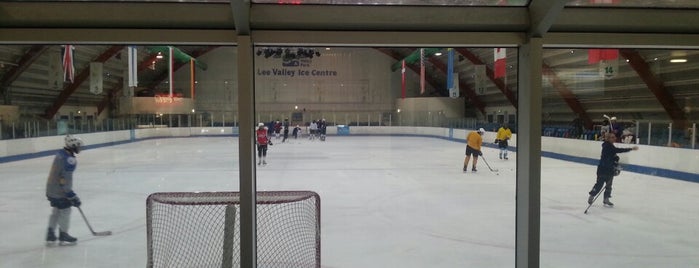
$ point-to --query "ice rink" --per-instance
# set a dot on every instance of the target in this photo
(386, 202)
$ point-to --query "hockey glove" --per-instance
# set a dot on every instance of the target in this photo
(497, 141)
(480, 153)
(73, 198)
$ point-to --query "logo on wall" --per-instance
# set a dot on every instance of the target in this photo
(296, 62)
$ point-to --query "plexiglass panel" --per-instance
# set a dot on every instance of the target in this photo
(386, 156)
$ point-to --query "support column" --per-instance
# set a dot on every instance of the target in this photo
(246, 154)
(528, 207)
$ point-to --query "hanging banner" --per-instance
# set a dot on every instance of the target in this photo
(133, 66)
(608, 68)
(454, 90)
(126, 90)
(96, 77)
(55, 78)
(480, 79)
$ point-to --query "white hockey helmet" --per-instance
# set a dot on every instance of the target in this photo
(261, 124)
(481, 130)
(73, 143)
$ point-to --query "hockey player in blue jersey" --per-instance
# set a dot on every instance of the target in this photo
(59, 191)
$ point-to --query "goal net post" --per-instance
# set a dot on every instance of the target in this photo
(202, 229)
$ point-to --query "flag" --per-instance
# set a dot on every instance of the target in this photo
(500, 62)
(597, 55)
(192, 77)
(170, 68)
(55, 77)
(422, 71)
(479, 78)
(68, 68)
(96, 78)
(402, 80)
(454, 91)
(133, 66)
(450, 69)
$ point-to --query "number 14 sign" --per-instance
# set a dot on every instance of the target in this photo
(608, 68)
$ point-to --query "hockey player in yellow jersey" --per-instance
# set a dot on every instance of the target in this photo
(504, 135)
(473, 148)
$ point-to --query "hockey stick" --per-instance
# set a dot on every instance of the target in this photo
(486, 163)
(105, 233)
(593, 200)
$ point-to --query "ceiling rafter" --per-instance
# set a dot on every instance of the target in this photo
(24, 62)
(566, 94)
(499, 83)
(83, 75)
(656, 86)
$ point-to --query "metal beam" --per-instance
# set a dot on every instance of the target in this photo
(491, 75)
(241, 16)
(542, 14)
(10, 76)
(567, 95)
(655, 85)
(79, 79)
(162, 76)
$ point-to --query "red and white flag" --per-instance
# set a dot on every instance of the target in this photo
(500, 62)
(597, 55)
(68, 68)
(422, 71)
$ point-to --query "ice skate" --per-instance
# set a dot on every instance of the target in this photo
(474, 169)
(608, 203)
(259, 163)
(65, 239)
(51, 237)
(465, 169)
(264, 162)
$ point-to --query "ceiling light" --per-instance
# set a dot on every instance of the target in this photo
(159, 56)
(438, 54)
(678, 60)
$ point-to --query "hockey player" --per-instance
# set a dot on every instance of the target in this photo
(322, 128)
(296, 131)
(286, 129)
(262, 142)
(313, 130)
(473, 148)
(504, 134)
(277, 129)
(59, 191)
(607, 168)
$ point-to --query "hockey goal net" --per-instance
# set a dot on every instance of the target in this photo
(202, 229)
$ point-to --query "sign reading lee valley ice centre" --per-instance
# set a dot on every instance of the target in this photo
(294, 73)
(296, 68)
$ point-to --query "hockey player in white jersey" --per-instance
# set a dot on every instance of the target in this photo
(59, 191)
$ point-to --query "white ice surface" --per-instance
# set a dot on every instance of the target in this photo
(386, 202)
